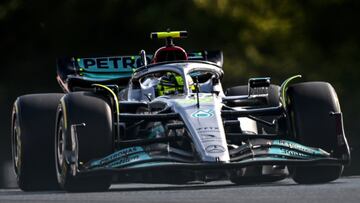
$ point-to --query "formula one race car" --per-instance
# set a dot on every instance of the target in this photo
(164, 118)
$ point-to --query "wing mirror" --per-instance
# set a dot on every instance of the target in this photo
(143, 58)
(258, 87)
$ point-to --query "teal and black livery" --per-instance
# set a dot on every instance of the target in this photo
(252, 152)
(85, 71)
(113, 123)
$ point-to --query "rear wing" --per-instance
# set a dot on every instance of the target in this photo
(73, 72)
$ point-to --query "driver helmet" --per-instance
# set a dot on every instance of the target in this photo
(170, 84)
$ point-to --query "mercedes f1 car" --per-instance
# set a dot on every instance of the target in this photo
(164, 118)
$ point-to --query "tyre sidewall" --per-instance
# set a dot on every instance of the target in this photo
(309, 107)
(33, 114)
(95, 140)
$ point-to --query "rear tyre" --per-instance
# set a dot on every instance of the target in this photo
(95, 139)
(32, 135)
(310, 104)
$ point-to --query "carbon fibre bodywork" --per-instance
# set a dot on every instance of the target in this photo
(191, 135)
(165, 118)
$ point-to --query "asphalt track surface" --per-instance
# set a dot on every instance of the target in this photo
(346, 189)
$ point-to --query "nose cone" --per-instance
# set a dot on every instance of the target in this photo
(206, 127)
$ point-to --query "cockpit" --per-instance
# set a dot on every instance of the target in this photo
(176, 78)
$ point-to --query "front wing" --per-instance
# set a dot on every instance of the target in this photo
(255, 152)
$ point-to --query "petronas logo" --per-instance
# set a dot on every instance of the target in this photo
(203, 113)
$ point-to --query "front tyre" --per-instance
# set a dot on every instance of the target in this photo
(94, 140)
(32, 135)
(310, 105)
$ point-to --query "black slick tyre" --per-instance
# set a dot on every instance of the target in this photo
(309, 106)
(32, 135)
(94, 140)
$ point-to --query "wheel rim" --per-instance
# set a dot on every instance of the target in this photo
(60, 148)
(60, 145)
(17, 145)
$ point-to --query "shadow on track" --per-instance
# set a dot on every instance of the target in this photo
(205, 186)
(138, 187)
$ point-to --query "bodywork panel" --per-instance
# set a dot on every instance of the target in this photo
(257, 152)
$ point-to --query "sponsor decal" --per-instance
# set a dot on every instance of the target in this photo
(208, 134)
(208, 129)
(192, 100)
(203, 113)
(215, 149)
(299, 147)
(286, 152)
(117, 155)
(128, 160)
(209, 138)
(293, 153)
(115, 62)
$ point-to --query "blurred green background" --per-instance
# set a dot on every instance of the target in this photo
(279, 38)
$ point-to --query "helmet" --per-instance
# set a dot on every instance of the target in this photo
(170, 83)
(169, 52)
